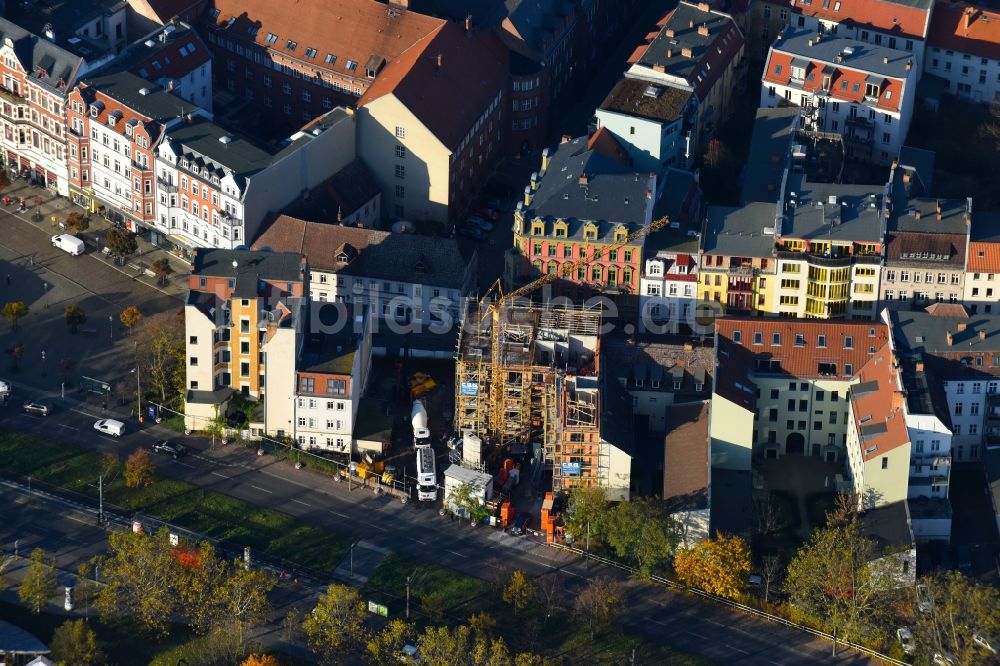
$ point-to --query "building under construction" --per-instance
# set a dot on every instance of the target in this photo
(529, 378)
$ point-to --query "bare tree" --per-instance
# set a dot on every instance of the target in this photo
(551, 589)
(771, 569)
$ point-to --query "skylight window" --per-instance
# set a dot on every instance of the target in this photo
(310, 52)
(330, 59)
(291, 44)
(271, 38)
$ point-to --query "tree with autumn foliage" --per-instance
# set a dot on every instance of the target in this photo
(260, 660)
(138, 469)
(718, 566)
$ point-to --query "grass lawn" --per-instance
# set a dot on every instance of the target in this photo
(612, 647)
(817, 506)
(463, 595)
(178, 502)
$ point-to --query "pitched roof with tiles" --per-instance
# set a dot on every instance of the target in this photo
(800, 352)
(878, 403)
(447, 69)
(693, 44)
(426, 260)
(164, 10)
(46, 63)
(966, 28)
(685, 455)
(172, 53)
(898, 17)
(348, 32)
(984, 246)
(850, 65)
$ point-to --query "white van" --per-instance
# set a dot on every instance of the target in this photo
(68, 243)
(110, 427)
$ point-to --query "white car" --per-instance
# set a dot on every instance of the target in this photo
(984, 642)
(905, 637)
(110, 427)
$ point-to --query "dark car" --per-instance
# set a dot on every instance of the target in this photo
(175, 450)
(36, 408)
(521, 524)
(474, 233)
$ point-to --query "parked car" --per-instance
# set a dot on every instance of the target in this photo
(521, 524)
(36, 408)
(475, 233)
(164, 446)
(69, 243)
(905, 637)
(478, 223)
(924, 602)
(984, 642)
(110, 427)
(486, 213)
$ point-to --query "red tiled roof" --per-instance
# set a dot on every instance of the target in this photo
(966, 28)
(803, 360)
(885, 15)
(604, 142)
(447, 80)
(952, 246)
(947, 310)
(984, 257)
(842, 80)
(877, 402)
(352, 30)
(172, 63)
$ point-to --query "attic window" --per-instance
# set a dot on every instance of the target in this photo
(157, 66)
(253, 30)
(271, 38)
(330, 59)
(420, 267)
(214, 12)
(351, 66)
(888, 94)
(843, 85)
(310, 52)
(291, 44)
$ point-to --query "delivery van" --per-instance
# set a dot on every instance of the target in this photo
(110, 427)
(68, 243)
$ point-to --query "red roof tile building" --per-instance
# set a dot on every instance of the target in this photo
(982, 268)
(862, 91)
(964, 49)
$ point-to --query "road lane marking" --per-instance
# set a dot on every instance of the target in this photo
(222, 475)
(80, 411)
(456, 554)
(378, 527)
(298, 501)
(182, 464)
(337, 513)
(263, 490)
(68, 427)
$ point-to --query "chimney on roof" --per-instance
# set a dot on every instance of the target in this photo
(670, 32)
(961, 326)
(189, 118)
(439, 61)
(885, 60)
(703, 30)
(545, 160)
(982, 334)
(170, 85)
(919, 366)
(704, 6)
(468, 23)
(810, 42)
(909, 65)
(661, 68)
(686, 52)
(938, 209)
(967, 18)
(690, 24)
(840, 57)
(649, 195)
(916, 215)
(948, 338)
(527, 195)
(564, 139)
(583, 179)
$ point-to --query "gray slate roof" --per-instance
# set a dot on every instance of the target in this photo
(866, 56)
(769, 149)
(125, 87)
(613, 192)
(889, 525)
(739, 232)
(924, 332)
(66, 17)
(199, 142)
(35, 52)
(685, 36)
(952, 216)
(854, 217)
(15, 640)
(250, 265)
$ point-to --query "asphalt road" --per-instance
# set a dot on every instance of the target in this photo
(415, 529)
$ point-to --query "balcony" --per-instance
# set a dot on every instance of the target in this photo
(229, 219)
(12, 97)
(166, 185)
(859, 121)
(858, 140)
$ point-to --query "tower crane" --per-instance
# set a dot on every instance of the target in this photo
(493, 307)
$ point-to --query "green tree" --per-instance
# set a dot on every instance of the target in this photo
(39, 583)
(75, 316)
(260, 660)
(138, 469)
(140, 580)
(243, 604)
(491, 653)
(121, 244)
(336, 624)
(482, 625)
(129, 317)
(519, 591)
(587, 514)
(433, 605)
(14, 311)
(599, 603)
(216, 427)
(641, 531)
(161, 269)
(162, 362)
(530, 659)
(77, 222)
(465, 501)
(960, 608)
(719, 566)
(385, 647)
(86, 587)
(443, 646)
(198, 578)
(841, 578)
(74, 643)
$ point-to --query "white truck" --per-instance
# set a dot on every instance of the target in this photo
(418, 418)
(427, 489)
(69, 243)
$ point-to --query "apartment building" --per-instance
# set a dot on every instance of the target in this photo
(584, 198)
(668, 289)
(828, 251)
(960, 355)
(982, 270)
(737, 257)
(116, 121)
(782, 387)
(402, 278)
(244, 316)
(173, 57)
(430, 164)
(862, 91)
(292, 67)
(925, 259)
(964, 49)
(892, 23)
(698, 50)
(333, 371)
(214, 188)
(775, 131)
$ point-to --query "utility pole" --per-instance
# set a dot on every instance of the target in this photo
(352, 556)
(408, 579)
(100, 500)
(588, 536)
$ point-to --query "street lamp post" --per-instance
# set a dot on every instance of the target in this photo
(111, 327)
(138, 393)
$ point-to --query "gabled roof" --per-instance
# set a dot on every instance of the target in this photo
(984, 246)
(164, 10)
(966, 28)
(897, 17)
(171, 53)
(137, 94)
(45, 62)
(685, 456)
(446, 69)
(878, 406)
(379, 255)
(351, 31)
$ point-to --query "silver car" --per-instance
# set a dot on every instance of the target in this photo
(36, 408)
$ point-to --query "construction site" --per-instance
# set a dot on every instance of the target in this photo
(528, 385)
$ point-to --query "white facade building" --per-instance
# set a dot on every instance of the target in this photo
(668, 289)
(964, 50)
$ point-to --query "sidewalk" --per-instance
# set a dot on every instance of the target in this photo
(54, 206)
